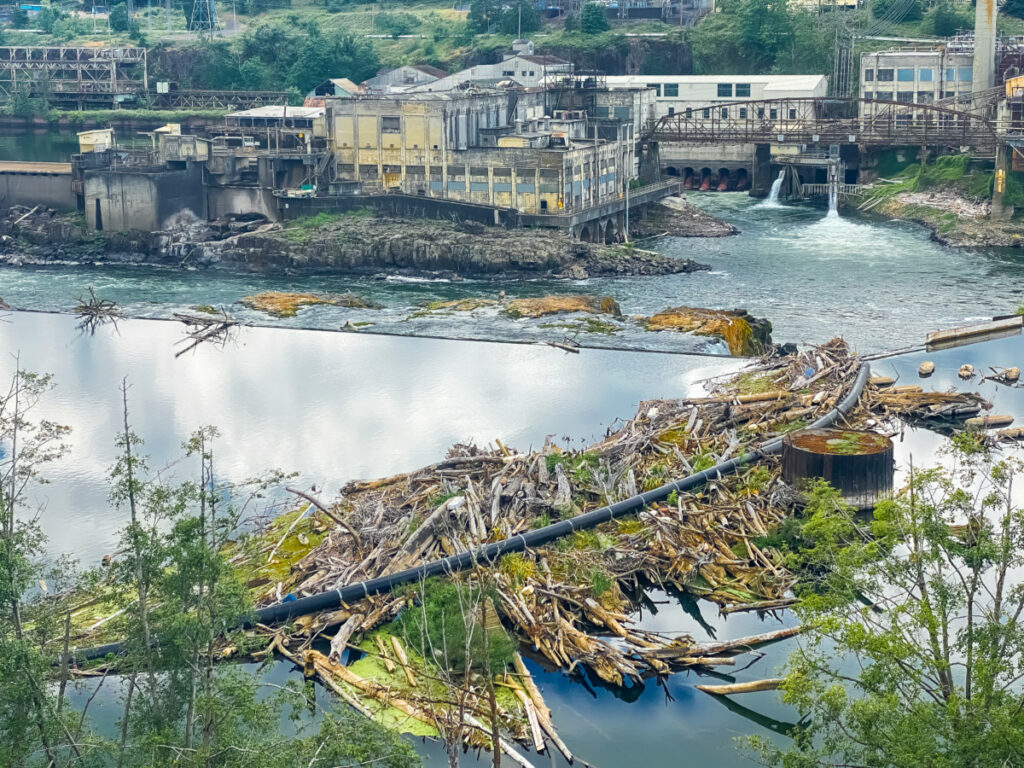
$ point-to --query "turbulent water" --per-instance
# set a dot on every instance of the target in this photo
(881, 285)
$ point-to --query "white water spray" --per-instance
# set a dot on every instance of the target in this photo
(833, 201)
(772, 201)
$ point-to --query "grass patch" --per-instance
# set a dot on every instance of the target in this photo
(754, 383)
(578, 467)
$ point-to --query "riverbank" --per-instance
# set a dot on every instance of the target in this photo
(354, 243)
(951, 199)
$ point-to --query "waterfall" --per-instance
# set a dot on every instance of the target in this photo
(772, 200)
(833, 201)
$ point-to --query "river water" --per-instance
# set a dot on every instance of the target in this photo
(341, 406)
(881, 285)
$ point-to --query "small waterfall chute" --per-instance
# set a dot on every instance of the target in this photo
(772, 201)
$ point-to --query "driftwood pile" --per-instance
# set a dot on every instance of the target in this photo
(572, 599)
(94, 312)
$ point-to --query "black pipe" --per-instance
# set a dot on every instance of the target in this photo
(281, 612)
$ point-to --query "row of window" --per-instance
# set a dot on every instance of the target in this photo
(924, 75)
(907, 97)
(725, 90)
(742, 113)
(512, 73)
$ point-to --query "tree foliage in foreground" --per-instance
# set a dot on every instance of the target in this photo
(926, 668)
(177, 707)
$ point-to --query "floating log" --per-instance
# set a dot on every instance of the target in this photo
(769, 684)
(992, 420)
(1016, 433)
(858, 464)
(882, 381)
(927, 368)
(969, 334)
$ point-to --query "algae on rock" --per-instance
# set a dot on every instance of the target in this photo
(284, 304)
(745, 335)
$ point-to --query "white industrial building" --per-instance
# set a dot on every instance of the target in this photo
(911, 77)
(696, 96)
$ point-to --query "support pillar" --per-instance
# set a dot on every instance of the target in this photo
(761, 181)
(1000, 211)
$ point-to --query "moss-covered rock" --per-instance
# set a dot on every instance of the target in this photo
(284, 304)
(744, 334)
(553, 305)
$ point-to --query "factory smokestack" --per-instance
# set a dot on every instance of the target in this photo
(984, 46)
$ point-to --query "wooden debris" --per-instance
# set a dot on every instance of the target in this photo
(94, 311)
(966, 371)
(770, 684)
(927, 368)
(403, 659)
(993, 420)
(202, 329)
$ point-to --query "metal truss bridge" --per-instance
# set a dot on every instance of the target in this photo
(827, 121)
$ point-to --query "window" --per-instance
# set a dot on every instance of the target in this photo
(885, 75)
(926, 74)
(867, 95)
(760, 113)
(656, 88)
(623, 113)
(508, 73)
(671, 90)
(671, 110)
(905, 75)
(725, 113)
(724, 90)
(950, 75)
(743, 90)
(925, 97)
(391, 125)
(869, 75)
(531, 73)
(524, 73)
(905, 97)
(965, 74)
(773, 114)
(689, 112)
(707, 113)
(743, 113)
(883, 96)
(792, 114)
(948, 94)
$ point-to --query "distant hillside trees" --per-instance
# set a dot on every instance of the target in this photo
(593, 19)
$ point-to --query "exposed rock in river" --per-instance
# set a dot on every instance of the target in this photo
(674, 216)
(553, 305)
(745, 334)
(360, 244)
(283, 304)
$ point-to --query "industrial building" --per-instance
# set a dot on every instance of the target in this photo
(402, 78)
(510, 149)
(698, 96)
(521, 67)
(916, 76)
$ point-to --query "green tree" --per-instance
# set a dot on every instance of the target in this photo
(593, 19)
(397, 23)
(911, 11)
(35, 726)
(572, 22)
(119, 19)
(19, 18)
(913, 654)
(944, 20)
(45, 19)
(483, 15)
(1013, 8)
(521, 15)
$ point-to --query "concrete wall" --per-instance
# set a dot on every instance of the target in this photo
(147, 200)
(222, 201)
(51, 190)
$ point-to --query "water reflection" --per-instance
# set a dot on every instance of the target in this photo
(332, 406)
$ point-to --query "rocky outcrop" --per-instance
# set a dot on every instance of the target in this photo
(674, 216)
(554, 305)
(357, 244)
(744, 334)
(282, 304)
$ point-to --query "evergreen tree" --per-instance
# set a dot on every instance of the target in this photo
(593, 19)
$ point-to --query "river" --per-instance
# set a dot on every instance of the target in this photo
(341, 406)
(880, 284)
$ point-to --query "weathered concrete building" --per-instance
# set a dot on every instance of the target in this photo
(916, 76)
(538, 152)
(402, 78)
(699, 95)
(527, 70)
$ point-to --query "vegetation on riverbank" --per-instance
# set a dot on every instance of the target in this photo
(950, 198)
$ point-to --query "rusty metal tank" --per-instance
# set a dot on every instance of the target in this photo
(858, 464)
